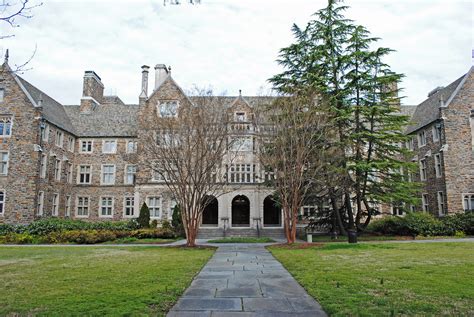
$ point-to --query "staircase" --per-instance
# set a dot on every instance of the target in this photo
(210, 233)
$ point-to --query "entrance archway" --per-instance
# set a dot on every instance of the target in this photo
(211, 212)
(240, 211)
(271, 213)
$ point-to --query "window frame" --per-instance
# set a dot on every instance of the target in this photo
(102, 174)
(160, 206)
(70, 144)
(40, 204)
(3, 199)
(424, 202)
(7, 162)
(126, 174)
(67, 204)
(5, 119)
(111, 206)
(438, 165)
(43, 165)
(125, 206)
(421, 137)
(134, 147)
(109, 141)
(166, 102)
(91, 146)
(469, 197)
(78, 180)
(57, 169)
(59, 138)
(436, 133)
(88, 206)
(45, 133)
(55, 205)
(69, 172)
(423, 167)
(441, 204)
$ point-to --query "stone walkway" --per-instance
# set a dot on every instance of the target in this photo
(245, 280)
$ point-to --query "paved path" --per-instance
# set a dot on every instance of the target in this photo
(245, 280)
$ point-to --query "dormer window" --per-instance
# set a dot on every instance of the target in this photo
(240, 117)
(168, 109)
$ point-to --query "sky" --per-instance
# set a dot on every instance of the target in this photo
(224, 44)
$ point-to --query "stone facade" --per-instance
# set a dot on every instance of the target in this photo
(88, 162)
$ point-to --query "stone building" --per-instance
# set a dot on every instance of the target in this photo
(442, 130)
(84, 161)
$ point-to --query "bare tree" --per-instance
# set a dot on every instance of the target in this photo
(189, 153)
(294, 150)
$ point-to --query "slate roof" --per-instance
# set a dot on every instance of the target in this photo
(428, 111)
(53, 111)
(112, 118)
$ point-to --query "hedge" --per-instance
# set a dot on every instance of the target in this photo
(422, 223)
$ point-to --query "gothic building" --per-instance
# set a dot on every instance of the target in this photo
(84, 161)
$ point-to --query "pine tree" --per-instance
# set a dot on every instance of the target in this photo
(144, 217)
(334, 56)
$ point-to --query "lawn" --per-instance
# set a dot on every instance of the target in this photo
(111, 281)
(242, 240)
(385, 279)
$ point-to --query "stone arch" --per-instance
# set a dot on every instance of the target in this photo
(240, 211)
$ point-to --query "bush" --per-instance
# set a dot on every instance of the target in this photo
(166, 225)
(18, 238)
(81, 236)
(154, 223)
(153, 233)
(459, 222)
(177, 221)
(6, 228)
(423, 223)
(144, 217)
(391, 225)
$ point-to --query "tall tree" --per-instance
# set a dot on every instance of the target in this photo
(334, 56)
(293, 150)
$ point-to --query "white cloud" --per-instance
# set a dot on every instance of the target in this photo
(229, 45)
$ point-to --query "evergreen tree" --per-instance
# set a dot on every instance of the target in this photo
(144, 217)
(177, 221)
(368, 165)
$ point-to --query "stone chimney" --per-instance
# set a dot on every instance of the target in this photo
(92, 92)
(144, 92)
(161, 72)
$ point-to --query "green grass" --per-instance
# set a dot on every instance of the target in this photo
(381, 238)
(131, 240)
(242, 240)
(385, 279)
(95, 281)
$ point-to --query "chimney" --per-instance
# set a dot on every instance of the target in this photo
(92, 92)
(144, 92)
(161, 72)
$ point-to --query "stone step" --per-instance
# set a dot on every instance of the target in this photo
(209, 233)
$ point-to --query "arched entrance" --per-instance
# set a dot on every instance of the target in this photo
(240, 211)
(211, 212)
(271, 213)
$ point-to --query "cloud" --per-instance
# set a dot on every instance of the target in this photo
(229, 45)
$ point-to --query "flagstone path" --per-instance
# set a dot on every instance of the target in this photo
(245, 280)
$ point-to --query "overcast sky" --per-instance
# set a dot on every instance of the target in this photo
(226, 44)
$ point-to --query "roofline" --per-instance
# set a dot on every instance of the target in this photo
(455, 92)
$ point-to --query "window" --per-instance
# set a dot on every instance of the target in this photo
(39, 207)
(106, 206)
(240, 116)
(84, 174)
(70, 144)
(436, 131)
(4, 163)
(423, 169)
(2, 202)
(132, 147)
(82, 206)
(44, 165)
(166, 139)
(424, 202)
(421, 139)
(5, 126)
(168, 109)
(438, 166)
(57, 169)
(69, 173)
(109, 146)
(55, 211)
(242, 173)
(59, 138)
(468, 202)
(130, 171)
(242, 144)
(129, 206)
(2, 94)
(440, 203)
(108, 175)
(45, 133)
(86, 146)
(307, 211)
(154, 205)
(68, 206)
(397, 209)
(409, 144)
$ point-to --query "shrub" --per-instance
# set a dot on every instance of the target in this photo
(459, 222)
(154, 223)
(18, 238)
(391, 225)
(144, 217)
(6, 228)
(81, 236)
(423, 223)
(177, 221)
(153, 233)
(166, 225)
